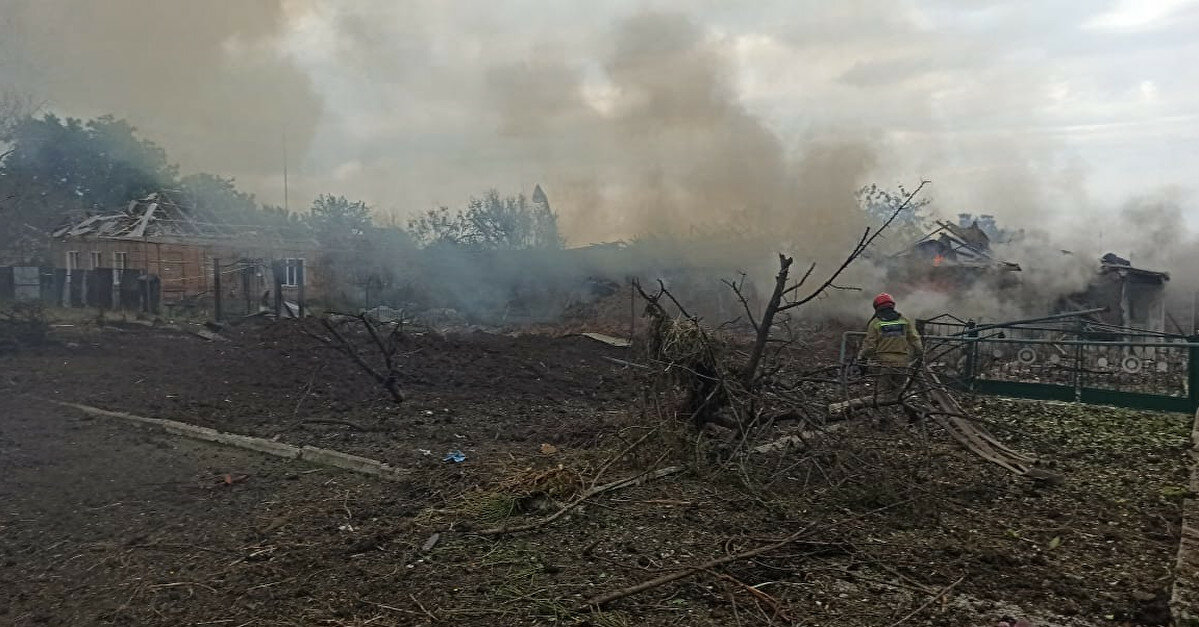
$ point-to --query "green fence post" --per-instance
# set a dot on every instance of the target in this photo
(1078, 364)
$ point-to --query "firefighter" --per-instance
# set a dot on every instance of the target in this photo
(893, 345)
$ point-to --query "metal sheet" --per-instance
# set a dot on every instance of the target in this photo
(27, 284)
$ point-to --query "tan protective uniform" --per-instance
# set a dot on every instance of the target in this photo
(891, 342)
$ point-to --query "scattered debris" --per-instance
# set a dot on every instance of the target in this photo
(607, 487)
(618, 342)
(896, 516)
(209, 335)
(230, 479)
(386, 315)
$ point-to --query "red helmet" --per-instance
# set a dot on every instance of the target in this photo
(883, 300)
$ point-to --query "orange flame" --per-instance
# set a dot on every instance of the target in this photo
(937, 260)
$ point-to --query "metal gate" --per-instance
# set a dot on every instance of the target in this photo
(27, 283)
(1065, 358)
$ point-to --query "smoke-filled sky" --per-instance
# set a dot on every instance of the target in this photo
(645, 116)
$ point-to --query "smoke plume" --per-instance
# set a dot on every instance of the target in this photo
(203, 79)
(746, 126)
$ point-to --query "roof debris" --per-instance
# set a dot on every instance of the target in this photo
(159, 216)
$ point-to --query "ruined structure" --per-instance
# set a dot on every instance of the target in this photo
(951, 257)
(170, 249)
(954, 257)
(1134, 297)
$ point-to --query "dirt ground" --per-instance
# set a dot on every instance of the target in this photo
(104, 523)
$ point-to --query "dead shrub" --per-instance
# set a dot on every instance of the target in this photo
(523, 492)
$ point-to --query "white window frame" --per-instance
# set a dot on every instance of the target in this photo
(120, 260)
(72, 260)
(291, 278)
(97, 259)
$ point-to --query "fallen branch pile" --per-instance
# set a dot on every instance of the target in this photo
(604, 599)
(595, 491)
(748, 389)
(927, 397)
(744, 389)
(709, 566)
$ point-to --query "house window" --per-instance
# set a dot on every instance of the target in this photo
(95, 255)
(295, 273)
(72, 260)
(120, 261)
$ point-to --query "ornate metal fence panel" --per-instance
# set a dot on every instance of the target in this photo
(1145, 372)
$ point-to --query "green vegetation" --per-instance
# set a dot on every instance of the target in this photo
(55, 169)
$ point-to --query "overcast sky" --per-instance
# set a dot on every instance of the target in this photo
(1046, 110)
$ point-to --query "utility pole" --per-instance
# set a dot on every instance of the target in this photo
(216, 290)
(301, 280)
(278, 270)
(286, 208)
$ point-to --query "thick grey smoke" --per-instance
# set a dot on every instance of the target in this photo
(676, 152)
(1152, 231)
(652, 141)
(750, 125)
(1010, 108)
(203, 79)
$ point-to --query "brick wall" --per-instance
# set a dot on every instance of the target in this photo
(186, 269)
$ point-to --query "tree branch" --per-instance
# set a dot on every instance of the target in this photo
(744, 301)
(863, 244)
(388, 381)
(750, 372)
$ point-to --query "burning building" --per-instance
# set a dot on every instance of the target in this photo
(958, 257)
(951, 257)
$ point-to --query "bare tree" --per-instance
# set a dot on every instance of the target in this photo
(387, 346)
(786, 297)
(703, 365)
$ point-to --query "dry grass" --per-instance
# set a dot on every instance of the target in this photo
(517, 491)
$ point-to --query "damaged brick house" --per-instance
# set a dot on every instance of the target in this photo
(158, 250)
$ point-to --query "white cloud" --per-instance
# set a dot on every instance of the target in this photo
(1136, 14)
(1149, 91)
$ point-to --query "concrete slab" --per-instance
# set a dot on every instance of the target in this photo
(610, 340)
(312, 454)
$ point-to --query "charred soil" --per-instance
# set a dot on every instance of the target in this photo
(104, 523)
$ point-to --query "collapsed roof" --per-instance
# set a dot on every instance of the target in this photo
(159, 217)
(954, 245)
(1112, 263)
